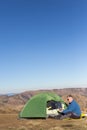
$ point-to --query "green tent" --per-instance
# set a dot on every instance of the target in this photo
(36, 106)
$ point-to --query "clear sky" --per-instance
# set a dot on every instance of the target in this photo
(43, 44)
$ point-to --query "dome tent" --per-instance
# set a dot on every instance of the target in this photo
(36, 106)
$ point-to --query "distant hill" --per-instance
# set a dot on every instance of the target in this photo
(8, 94)
(14, 103)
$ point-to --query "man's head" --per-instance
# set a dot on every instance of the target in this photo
(69, 98)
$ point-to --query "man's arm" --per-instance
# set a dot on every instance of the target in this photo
(70, 108)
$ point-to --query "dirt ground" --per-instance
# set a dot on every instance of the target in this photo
(12, 122)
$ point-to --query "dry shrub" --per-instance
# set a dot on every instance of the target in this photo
(56, 128)
(22, 128)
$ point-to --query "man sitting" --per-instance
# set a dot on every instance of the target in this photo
(72, 111)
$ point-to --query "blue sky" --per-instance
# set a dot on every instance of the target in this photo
(43, 44)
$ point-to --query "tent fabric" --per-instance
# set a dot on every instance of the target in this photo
(36, 106)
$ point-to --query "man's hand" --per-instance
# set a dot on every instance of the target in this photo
(60, 110)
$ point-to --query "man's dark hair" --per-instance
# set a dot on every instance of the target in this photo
(70, 96)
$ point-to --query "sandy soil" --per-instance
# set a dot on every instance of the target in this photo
(12, 122)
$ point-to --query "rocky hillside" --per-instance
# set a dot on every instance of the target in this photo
(15, 103)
